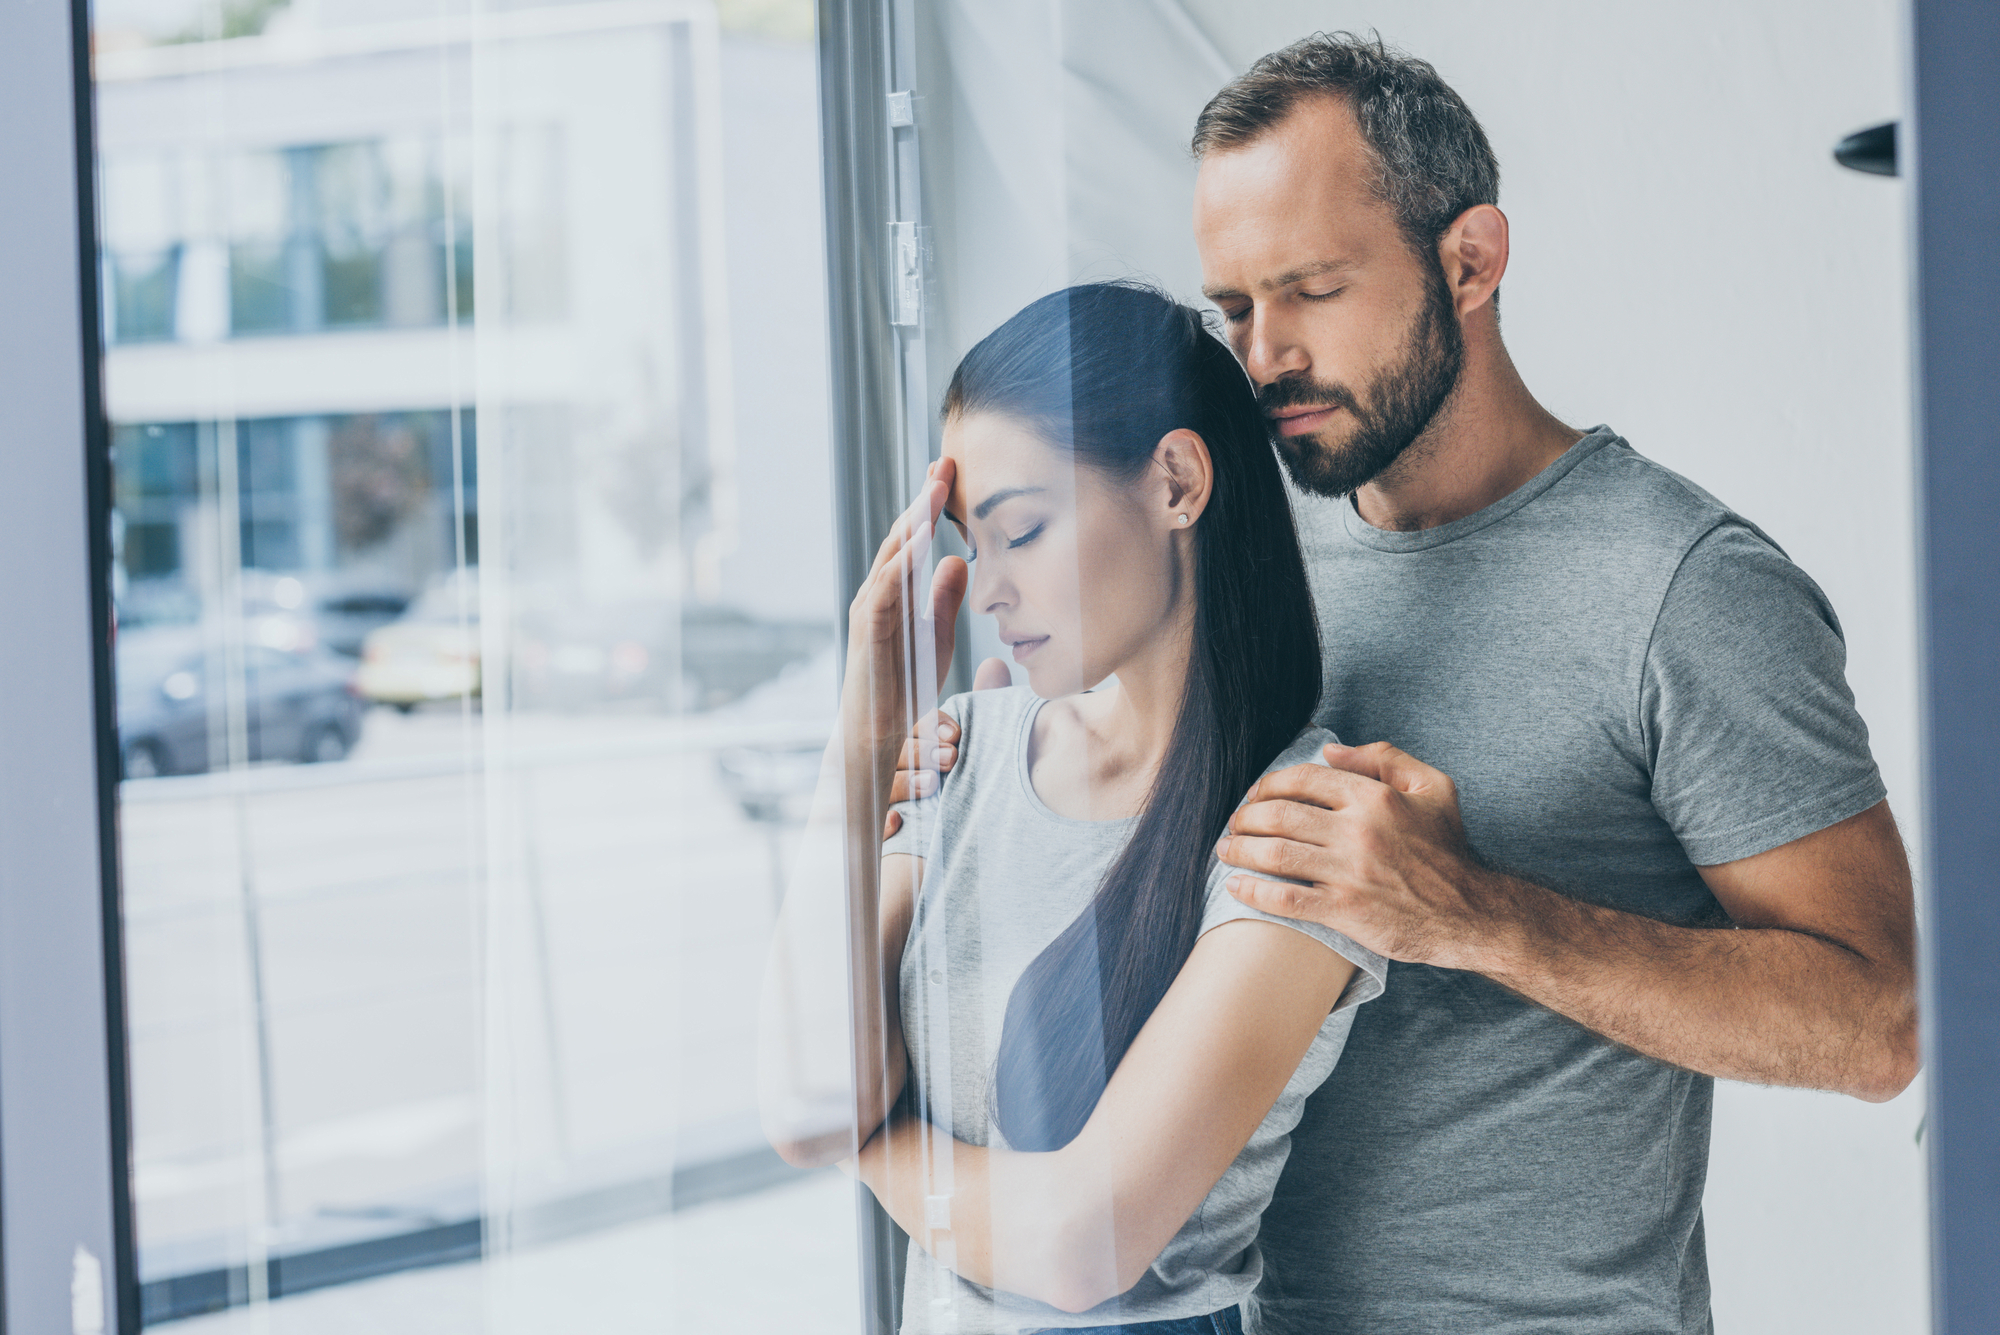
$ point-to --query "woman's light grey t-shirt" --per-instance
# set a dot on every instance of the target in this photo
(1004, 876)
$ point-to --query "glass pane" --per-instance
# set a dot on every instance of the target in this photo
(468, 708)
(1044, 145)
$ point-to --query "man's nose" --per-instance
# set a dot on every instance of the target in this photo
(1272, 349)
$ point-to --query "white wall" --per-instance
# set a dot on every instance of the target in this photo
(1690, 266)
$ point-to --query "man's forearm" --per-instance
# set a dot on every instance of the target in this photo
(1766, 1006)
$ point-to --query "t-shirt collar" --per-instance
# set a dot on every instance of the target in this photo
(1423, 539)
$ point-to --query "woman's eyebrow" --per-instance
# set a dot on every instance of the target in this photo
(985, 507)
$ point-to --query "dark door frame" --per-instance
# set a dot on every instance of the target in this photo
(1953, 160)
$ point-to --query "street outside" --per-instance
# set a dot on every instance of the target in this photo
(484, 986)
(781, 1261)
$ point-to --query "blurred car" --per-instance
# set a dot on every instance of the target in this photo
(430, 653)
(292, 612)
(347, 615)
(574, 654)
(725, 651)
(172, 696)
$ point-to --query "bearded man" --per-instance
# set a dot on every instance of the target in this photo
(1617, 820)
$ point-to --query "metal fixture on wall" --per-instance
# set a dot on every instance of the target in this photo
(1872, 150)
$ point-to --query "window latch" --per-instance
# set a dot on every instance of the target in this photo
(907, 268)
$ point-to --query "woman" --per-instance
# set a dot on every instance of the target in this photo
(1106, 1052)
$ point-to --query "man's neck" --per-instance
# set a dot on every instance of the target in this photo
(1490, 439)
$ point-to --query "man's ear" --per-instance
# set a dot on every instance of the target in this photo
(1473, 253)
(1189, 474)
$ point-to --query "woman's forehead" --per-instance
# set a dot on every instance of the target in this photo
(995, 455)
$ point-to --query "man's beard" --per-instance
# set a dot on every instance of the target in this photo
(1400, 404)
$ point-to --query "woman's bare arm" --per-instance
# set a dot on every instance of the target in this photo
(1080, 1225)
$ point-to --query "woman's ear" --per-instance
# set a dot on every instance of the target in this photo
(1189, 475)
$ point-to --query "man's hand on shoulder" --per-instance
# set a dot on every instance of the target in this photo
(1816, 974)
(1376, 837)
(915, 779)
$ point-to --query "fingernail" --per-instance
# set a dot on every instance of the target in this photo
(946, 752)
(1222, 845)
(1233, 885)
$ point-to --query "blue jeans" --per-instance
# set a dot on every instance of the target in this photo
(1228, 1321)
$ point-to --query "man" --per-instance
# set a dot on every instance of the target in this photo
(1616, 818)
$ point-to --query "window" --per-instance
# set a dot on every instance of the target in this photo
(466, 659)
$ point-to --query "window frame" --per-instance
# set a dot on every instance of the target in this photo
(868, 174)
(66, 1237)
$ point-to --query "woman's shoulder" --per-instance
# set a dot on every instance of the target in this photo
(1304, 749)
(989, 709)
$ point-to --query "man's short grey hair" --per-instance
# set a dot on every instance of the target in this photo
(1432, 161)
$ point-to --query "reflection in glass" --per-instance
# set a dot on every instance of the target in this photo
(454, 702)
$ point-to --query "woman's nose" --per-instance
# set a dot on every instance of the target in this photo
(989, 592)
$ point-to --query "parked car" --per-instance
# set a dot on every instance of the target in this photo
(573, 654)
(430, 653)
(576, 654)
(725, 652)
(172, 694)
(293, 612)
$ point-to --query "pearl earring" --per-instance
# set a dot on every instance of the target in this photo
(1184, 519)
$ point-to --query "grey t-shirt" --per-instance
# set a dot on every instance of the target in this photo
(1626, 681)
(1004, 875)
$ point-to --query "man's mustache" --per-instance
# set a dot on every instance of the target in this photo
(1303, 392)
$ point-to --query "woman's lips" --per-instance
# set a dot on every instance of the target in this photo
(1299, 424)
(1022, 648)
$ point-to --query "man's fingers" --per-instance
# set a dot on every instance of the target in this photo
(909, 784)
(1272, 857)
(1300, 821)
(890, 824)
(1385, 764)
(993, 674)
(1314, 785)
(1272, 897)
(947, 727)
(911, 758)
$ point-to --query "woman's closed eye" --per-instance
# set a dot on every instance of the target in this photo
(1012, 543)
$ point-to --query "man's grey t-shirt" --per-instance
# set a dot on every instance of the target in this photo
(1004, 876)
(1626, 681)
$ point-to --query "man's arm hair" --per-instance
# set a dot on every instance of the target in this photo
(1813, 983)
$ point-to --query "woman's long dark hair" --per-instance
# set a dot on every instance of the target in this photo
(1105, 370)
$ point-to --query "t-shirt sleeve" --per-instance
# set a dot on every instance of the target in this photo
(914, 835)
(1750, 727)
(1371, 971)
